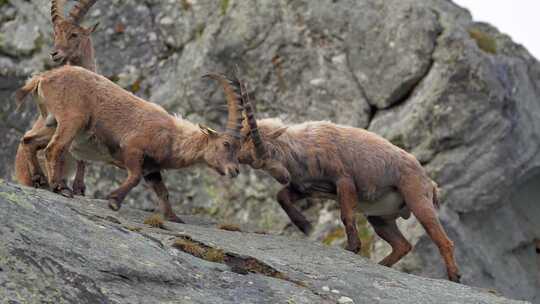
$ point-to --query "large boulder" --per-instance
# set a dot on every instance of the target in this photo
(57, 250)
(459, 95)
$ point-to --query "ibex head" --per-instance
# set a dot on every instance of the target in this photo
(258, 147)
(221, 153)
(72, 42)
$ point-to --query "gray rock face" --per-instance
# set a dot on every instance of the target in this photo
(56, 250)
(465, 103)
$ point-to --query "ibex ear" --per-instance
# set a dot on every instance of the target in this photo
(208, 131)
(277, 133)
(92, 29)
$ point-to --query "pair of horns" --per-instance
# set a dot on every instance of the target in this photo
(233, 95)
(76, 14)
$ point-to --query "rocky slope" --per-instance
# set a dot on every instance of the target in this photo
(56, 250)
(459, 95)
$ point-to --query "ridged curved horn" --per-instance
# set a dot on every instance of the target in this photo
(57, 10)
(80, 9)
(231, 88)
(260, 149)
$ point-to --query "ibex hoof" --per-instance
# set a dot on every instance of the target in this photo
(64, 191)
(354, 249)
(175, 219)
(39, 181)
(454, 277)
(79, 190)
(114, 205)
(305, 228)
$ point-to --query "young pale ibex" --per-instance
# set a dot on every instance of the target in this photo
(100, 121)
(358, 168)
(72, 45)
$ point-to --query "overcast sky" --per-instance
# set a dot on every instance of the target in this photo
(518, 18)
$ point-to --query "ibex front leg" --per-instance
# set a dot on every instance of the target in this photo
(155, 181)
(348, 198)
(286, 198)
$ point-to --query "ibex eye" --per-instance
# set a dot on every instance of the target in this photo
(227, 144)
(74, 35)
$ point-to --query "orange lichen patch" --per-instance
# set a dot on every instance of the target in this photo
(155, 220)
(484, 41)
(230, 227)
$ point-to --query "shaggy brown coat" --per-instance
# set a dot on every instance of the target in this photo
(100, 121)
(358, 168)
(73, 46)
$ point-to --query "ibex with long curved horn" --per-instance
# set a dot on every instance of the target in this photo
(72, 45)
(358, 168)
(129, 132)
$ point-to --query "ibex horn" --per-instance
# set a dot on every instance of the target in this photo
(234, 103)
(80, 9)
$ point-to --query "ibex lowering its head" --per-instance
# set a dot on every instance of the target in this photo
(358, 168)
(101, 121)
(72, 45)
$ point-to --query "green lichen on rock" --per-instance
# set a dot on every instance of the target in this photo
(485, 41)
(224, 6)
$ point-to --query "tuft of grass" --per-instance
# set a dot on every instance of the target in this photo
(337, 233)
(186, 4)
(229, 227)
(199, 250)
(214, 255)
(155, 220)
(224, 6)
(484, 41)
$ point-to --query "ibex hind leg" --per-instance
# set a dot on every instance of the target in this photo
(418, 195)
(133, 161)
(387, 230)
(55, 153)
(33, 141)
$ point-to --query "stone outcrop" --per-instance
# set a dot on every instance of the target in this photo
(458, 94)
(57, 250)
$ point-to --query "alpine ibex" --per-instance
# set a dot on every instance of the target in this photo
(358, 168)
(72, 45)
(100, 121)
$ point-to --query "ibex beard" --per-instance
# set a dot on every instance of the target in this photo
(358, 168)
(99, 121)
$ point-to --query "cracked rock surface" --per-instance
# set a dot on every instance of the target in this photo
(57, 250)
(408, 70)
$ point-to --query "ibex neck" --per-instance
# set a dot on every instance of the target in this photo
(87, 60)
(189, 146)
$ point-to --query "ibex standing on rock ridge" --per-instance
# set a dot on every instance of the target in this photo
(72, 45)
(101, 121)
(358, 168)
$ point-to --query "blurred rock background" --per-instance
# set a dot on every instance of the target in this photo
(459, 95)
